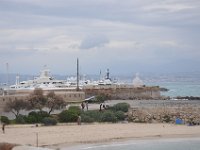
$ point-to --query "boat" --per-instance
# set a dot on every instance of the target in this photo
(44, 81)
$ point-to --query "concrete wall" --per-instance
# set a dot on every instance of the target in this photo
(124, 91)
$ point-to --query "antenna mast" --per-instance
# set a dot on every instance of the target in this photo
(77, 77)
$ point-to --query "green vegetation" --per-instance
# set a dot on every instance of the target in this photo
(36, 117)
(87, 118)
(120, 107)
(48, 121)
(120, 115)
(108, 116)
(93, 115)
(5, 119)
(20, 119)
(70, 115)
(38, 101)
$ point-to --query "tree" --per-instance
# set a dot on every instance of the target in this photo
(15, 106)
(37, 100)
(54, 102)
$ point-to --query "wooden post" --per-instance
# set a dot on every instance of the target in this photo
(37, 139)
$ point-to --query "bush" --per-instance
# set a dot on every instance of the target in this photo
(33, 113)
(41, 115)
(48, 121)
(120, 115)
(20, 119)
(31, 119)
(70, 115)
(36, 117)
(108, 116)
(94, 114)
(121, 107)
(76, 109)
(5, 119)
(85, 118)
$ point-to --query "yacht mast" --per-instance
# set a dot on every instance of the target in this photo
(7, 72)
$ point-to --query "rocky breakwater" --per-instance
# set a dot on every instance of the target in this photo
(187, 115)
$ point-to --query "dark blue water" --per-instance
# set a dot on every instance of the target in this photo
(155, 144)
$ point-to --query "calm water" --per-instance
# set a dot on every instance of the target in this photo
(187, 84)
(155, 144)
(180, 88)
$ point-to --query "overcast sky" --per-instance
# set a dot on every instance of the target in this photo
(126, 36)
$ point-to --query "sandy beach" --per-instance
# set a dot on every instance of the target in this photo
(72, 134)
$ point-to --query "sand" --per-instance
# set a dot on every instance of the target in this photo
(72, 134)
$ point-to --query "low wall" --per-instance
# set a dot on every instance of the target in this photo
(66, 95)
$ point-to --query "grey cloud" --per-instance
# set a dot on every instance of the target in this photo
(35, 28)
(146, 12)
(94, 41)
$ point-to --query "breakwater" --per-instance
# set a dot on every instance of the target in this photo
(165, 112)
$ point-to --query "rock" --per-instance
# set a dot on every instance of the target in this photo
(6, 146)
(29, 148)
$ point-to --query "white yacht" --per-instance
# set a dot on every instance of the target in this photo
(47, 82)
(44, 81)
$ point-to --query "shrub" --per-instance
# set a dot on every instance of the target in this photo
(108, 116)
(76, 109)
(94, 114)
(36, 117)
(33, 113)
(5, 119)
(121, 107)
(120, 115)
(20, 119)
(85, 118)
(48, 121)
(43, 114)
(70, 115)
(31, 119)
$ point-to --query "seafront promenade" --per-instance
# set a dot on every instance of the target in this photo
(64, 135)
(70, 134)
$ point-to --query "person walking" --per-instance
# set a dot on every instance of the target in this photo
(100, 107)
(3, 128)
(82, 106)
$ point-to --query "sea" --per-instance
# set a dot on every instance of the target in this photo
(179, 84)
(148, 144)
